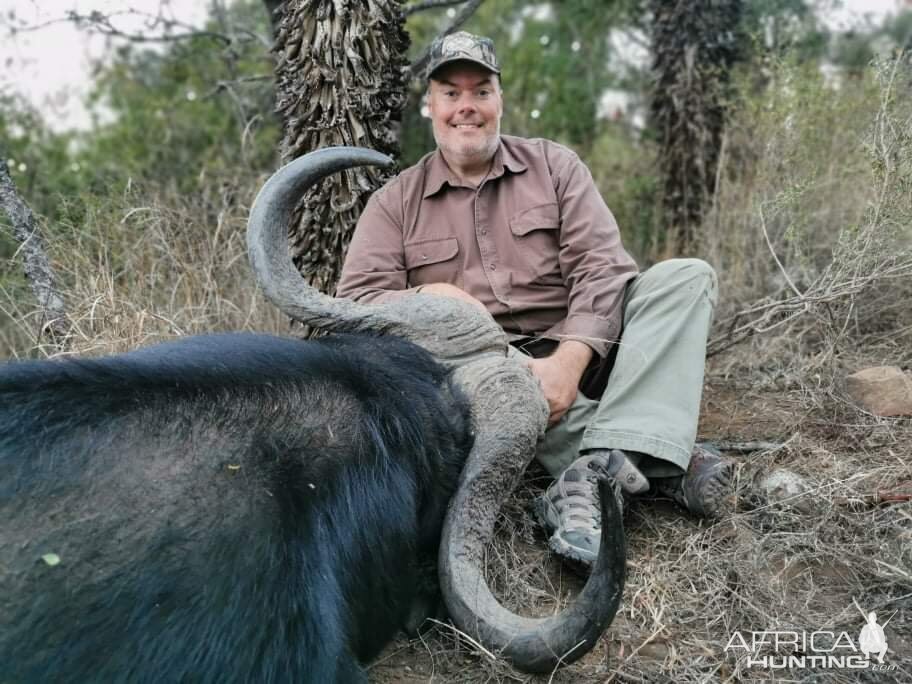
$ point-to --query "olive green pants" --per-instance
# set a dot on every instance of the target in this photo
(652, 401)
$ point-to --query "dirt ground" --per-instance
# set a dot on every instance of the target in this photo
(812, 562)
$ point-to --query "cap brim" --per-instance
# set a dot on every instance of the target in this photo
(434, 67)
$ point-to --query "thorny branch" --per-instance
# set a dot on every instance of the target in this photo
(418, 66)
(55, 323)
(863, 257)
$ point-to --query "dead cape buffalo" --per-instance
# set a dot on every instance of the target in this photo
(251, 508)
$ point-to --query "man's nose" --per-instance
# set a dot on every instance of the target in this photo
(466, 103)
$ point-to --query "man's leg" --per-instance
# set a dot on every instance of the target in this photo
(649, 409)
(652, 402)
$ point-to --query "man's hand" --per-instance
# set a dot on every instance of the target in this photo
(559, 375)
(447, 290)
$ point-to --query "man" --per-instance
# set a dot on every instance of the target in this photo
(517, 227)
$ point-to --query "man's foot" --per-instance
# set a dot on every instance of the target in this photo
(705, 485)
(570, 512)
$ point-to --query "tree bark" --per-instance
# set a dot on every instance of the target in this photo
(55, 324)
(341, 77)
(695, 45)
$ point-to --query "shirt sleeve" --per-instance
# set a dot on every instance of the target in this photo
(374, 267)
(593, 262)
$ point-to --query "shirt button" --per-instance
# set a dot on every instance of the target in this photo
(424, 256)
(493, 267)
(484, 231)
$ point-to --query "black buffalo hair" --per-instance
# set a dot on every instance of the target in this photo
(224, 508)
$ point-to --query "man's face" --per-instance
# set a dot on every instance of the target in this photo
(465, 106)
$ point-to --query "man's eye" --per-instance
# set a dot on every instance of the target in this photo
(484, 93)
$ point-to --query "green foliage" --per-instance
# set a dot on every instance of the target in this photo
(796, 172)
(623, 169)
(41, 163)
(183, 114)
(186, 118)
(188, 113)
(784, 26)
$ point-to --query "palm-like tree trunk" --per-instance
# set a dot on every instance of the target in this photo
(695, 45)
(340, 72)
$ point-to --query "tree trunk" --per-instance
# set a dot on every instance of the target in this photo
(694, 48)
(55, 324)
(340, 72)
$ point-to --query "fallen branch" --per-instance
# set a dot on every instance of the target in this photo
(901, 494)
(55, 323)
(743, 447)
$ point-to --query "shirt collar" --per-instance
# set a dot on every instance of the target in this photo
(438, 173)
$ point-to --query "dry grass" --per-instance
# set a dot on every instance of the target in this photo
(142, 267)
(812, 221)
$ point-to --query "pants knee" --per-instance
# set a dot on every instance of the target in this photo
(689, 273)
(699, 270)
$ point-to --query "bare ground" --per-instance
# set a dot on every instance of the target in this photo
(812, 562)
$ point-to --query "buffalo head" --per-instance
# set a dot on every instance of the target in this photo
(509, 414)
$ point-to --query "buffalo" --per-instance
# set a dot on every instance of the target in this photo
(246, 507)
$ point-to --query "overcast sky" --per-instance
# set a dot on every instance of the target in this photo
(51, 66)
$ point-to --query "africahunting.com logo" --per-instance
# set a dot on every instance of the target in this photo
(820, 649)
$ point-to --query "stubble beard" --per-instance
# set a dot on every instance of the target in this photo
(478, 153)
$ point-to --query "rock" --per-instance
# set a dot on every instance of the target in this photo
(882, 390)
(784, 486)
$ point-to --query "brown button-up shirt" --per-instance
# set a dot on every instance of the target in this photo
(534, 242)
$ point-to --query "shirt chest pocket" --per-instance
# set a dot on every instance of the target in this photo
(433, 261)
(536, 236)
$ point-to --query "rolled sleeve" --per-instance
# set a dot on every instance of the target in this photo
(593, 262)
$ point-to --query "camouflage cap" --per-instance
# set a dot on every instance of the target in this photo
(462, 46)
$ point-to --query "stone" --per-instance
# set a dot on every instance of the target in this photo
(882, 390)
(781, 486)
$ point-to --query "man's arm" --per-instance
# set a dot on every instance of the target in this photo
(374, 268)
(594, 264)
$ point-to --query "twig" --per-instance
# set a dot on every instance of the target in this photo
(418, 66)
(429, 4)
(744, 447)
(38, 271)
(101, 22)
(772, 250)
(462, 635)
(858, 262)
(902, 494)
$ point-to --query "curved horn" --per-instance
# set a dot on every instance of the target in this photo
(448, 328)
(267, 242)
(506, 431)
